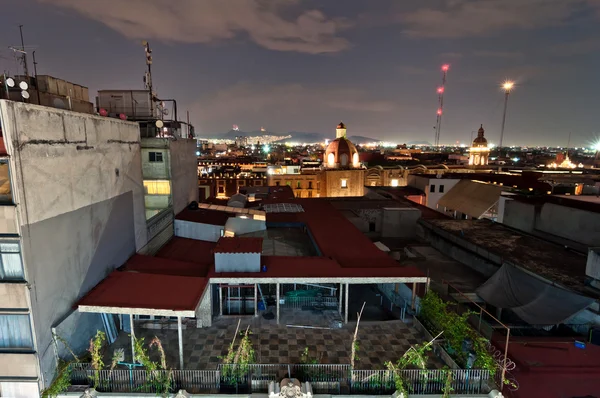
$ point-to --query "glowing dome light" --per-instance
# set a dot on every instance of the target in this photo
(439, 111)
(440, 90)
(445, 67)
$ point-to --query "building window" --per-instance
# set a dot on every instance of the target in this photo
(241, 183)
(277, 183)
(441, 190)
(432, 188)
(5, 188)
(288, 183)
(344, 183)
(395, 182)
(221, 189)
(155, 156)
(371, 227)
(310, 185)
(15, 331)
(157, 187)
(298, 185)
(310, 194)
(11, 267)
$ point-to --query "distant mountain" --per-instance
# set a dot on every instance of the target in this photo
(359, 139)
(410, 143)
(296, 136)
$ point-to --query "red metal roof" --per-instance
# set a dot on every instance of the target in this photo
(151, 291)
(189, 250)
(204, 216)
(316, 267)
(165, 266)
(239, 245)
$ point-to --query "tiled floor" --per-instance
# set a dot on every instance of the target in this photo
(280, 344)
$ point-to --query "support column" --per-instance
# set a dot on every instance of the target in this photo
(180, 336)
(346, 309)
(132, 338)
(220, 300)
(414, 296)
(277, 301)
(256, 299)
(427, 285)
(341, 296)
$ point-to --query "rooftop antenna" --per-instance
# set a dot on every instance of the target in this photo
(568, 144)
(440, 91)
(24, 57)
(148, 74)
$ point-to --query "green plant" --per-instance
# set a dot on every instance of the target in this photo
(158, 376)
(306, 359)
(62, 378)
(448, 379)
(95, 350)
(236, 364)
(414, 357)
(61, 382)
(437, 316)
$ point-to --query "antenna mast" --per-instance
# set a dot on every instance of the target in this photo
(148, 74)
(24, 54)
(440, 91)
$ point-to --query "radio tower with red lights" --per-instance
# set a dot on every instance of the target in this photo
(440, 111)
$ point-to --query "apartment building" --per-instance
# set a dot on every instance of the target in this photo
(71, 210)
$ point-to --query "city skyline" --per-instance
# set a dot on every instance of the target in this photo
(303, 66)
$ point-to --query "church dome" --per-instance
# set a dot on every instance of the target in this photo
(480, 141)
(341, 152)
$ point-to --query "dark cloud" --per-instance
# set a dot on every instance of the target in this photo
(192, 21)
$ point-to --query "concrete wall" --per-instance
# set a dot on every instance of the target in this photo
(237, 262)
(194, 230)
(518, 215)
(78, 189)
(570, 223)
(72, 327)
(155, 170)
(204, 310)
(184, 173)
(425, 183)
(400, 222)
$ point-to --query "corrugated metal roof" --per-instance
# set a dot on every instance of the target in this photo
(473, 198)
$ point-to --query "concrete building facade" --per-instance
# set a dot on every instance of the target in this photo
(74, 213)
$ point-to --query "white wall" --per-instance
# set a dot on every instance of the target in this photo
(570, 223)
(198, 231)
(237, 262)
(79, 194)
(400, 222)
(424, 184)
(184, 173)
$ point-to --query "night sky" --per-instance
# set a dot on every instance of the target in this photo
(305, 65)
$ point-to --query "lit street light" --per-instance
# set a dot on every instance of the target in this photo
(507, 86)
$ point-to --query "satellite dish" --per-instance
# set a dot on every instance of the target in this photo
(23, 85)
(159, 124)
(25, 94)
(10, 82)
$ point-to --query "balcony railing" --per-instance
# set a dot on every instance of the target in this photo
(255, 378)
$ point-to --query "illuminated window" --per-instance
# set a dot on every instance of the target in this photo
(395, 182)
(355, 160)
(331, 160)
(344, 183)
(155, 156)
(5, 189)
(157, 187)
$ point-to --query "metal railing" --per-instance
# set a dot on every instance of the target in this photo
(255, 378)
(309, 302)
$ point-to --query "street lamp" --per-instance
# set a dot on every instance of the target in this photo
(507, 86)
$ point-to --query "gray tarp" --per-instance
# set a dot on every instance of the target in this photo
(533, 300)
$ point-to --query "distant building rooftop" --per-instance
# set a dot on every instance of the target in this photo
(500, 244)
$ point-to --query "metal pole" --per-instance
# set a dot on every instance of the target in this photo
(503, 118)
(24, 54)
(346, 309)
(414, 295)
(180, 336)
(132, 338)
(341, 296)
(505, 358)
(37, 86)
(220, 300)
(255, 299)
(277, 298)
